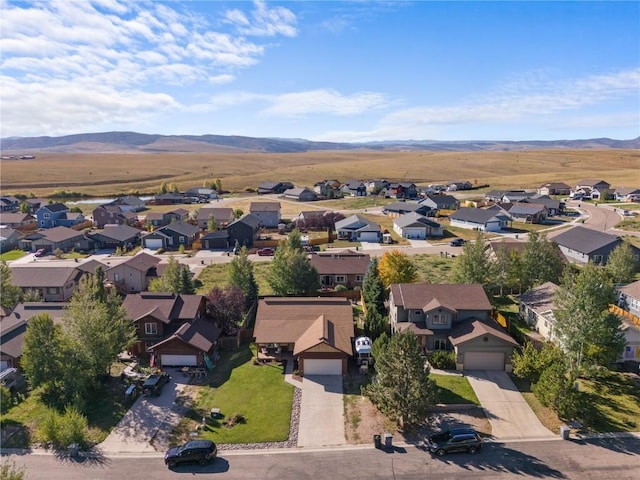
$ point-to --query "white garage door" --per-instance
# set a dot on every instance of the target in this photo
(153, 243)
(3, 365)
(484, 361)
(369, 237)
(179, 360)
(318, 366)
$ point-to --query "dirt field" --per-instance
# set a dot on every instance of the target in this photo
(114, 174)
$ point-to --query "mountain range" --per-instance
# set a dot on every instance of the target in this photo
(132, 142)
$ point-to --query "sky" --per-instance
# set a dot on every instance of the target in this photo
(351, 71)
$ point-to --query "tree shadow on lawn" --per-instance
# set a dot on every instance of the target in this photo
(227, 363)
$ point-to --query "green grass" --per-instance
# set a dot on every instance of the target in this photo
(217, 275)
(434, 268)
(454, 389)
(237, 386)
(12, 255)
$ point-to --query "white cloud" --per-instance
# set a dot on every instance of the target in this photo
(324, 101)
(265, 21)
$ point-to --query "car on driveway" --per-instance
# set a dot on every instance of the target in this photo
(454, 440)
(39, 253)
(266, 252)
(200, 451)
(456, 242)
(152, 386)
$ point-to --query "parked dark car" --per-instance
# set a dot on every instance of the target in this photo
(454, 440)
(201, 451)
(456, 242)
(152, 386)
(266, 252)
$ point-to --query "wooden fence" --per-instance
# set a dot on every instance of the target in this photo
(623, 313)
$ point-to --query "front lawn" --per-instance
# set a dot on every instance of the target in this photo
(238, 387)
(217, 275)
(12, 255)
(454, 389)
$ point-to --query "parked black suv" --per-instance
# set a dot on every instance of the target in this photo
(456, 242)
(455, 440)
(153, 384)
(201, 451)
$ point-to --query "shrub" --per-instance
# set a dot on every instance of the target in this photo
(341, 288)
(442, 360)
(48, 429)
(9, 471)
(6, 399)
(63, 430)
(181, 248)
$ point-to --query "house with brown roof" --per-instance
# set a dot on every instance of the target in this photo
(57, 238)
(173, 328)
(268, 213)
(114, 236)
(340, 268)
(52, 283)
(9, 238)
(452, 317)
(14, 326)
(222, 217)
(536, 308)
(110, 214)
(317, 333)
(135, 274)
(554, 188)
(18, 220)
(595, 189)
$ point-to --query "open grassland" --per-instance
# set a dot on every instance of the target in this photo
(112, 174)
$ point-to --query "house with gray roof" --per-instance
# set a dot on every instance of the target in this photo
(18, 220)
(441, 202)
(357, 228)
(57, 215)
(134, 274)
(53, 283)
(223, 216)
(9, 239)
(582, 245)
(528, 212)
(244, 231)
(452, 317)
(554, 188)
(117, 236)
(172, 236)
(301, 194)
(592, 188)
(57, 238)
(417, 227)
(268, 187)
(626, 194)
(536, 308)
(340, 268)
(130, 203)
(397, 209)
(485, 220)
(268, 213)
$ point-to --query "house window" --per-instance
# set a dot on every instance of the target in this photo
(116, 277)
(150, 329)
(182, 239)
(597, 259)
(439, 344)
(439, 319)
(417, 312)
(52, 290)
(46, 215)
(359, 278)
(341, 279)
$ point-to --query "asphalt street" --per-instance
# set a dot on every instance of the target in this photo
(593, 459)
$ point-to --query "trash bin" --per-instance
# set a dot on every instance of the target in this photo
(388, 440)
(377, 441)
(74, 449)
(564, 432)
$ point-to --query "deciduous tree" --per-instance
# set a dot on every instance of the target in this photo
(473, 265)
(226, 306)
(622, 265)
(402, 388)
(175, 279)
(241, 275)
(9, 293)
(396, 267)
(541, 262)
(291, 273)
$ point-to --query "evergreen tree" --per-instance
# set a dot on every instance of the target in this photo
(622, 265)
(374, 324)
(175, 279)
(294, 240)
(402, 389)
(396, 267)
(473, 266)
(241, 275)
(373, 291)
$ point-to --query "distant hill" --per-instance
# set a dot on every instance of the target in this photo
(131, 142)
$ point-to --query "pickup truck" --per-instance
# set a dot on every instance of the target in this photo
(152, 386)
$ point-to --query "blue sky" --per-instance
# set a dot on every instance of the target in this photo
(335, 71)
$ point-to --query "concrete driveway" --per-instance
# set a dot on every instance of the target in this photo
(321, 412)
(146, 426)
(507, 411)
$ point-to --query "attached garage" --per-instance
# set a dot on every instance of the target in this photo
(484, 361)
(322, 366)
(369, 237)
(179, 360)
(153, 243)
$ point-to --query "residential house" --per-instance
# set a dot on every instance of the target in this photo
(173, 328)
(111, 214)
(452, 317)
(516, 196)
(315, 332)
(130, 203)
(406, 190)
(554, 207)
(215, 240)
(582, 245)
(9, 204)
(22, 221)
(57, 238)
(201, 194)
(268, 213)
(528, 212)
(35, 204)
(479, 219)
(14, 326)
(57, 215)
(244, 231)
(310, 218)
(629, 302)
(512, 246)
(169, 198)
(554, 188)
(160, 219)
(358, 229)
(328, 188)
(222, 216)
(301, 194)
(134, 274)
(629, 297)
(536, 308)
(345, 268)
(9, 239)
(172, 236)
(354, 188)
(441, 202)
(397, 209)
(594, 189)
(375, 186)
(51, 283)
(626, 194)
(266, 188)
(417, 227)
(496, 196)
(117, 236)
(454, 185)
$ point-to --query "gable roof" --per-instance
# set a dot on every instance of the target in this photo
(357, 223)
(59, 234)
(415, 219)
(31, 276)
(632, 289)
(540, 299)
(475, 215)
(119, 232)
(469, 330)
(584, 240)
(345, 263)
(142, 262)
(219, 213)
(17, 217)
(591, 182)
(264, 207)
(181, 228)
(510, 244)
(165, 307)
(556, 185)
(451, 296)
(405, 207)
(247, 219)
(289, 319)
(200, 333)
(56, 207)
(522, 208)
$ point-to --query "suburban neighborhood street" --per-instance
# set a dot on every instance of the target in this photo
(593, 459)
